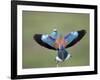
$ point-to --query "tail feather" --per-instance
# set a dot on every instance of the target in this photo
(62, 55)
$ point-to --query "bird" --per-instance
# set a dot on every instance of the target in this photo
(55, 41)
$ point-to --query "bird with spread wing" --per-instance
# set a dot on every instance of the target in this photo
(55, 41)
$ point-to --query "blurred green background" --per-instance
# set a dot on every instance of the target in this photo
(35, 56)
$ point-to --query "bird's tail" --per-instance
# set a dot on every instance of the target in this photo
(62, 55)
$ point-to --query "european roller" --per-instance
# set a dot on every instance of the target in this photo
(55, 41)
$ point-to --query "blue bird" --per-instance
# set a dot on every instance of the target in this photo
(56, 42)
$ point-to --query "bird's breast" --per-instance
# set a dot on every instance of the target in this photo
(59, 42)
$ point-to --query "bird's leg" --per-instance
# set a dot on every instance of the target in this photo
(57, 64)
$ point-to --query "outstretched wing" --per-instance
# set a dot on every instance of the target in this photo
(45, 40)
(73, 37)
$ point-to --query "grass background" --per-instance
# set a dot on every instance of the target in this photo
(35, 56)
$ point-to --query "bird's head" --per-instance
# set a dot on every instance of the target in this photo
(54, 30)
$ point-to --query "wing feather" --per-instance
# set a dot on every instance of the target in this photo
(38, 39)
(73, 38)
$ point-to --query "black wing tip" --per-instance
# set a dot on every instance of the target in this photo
(83, 31)
(37, 38)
